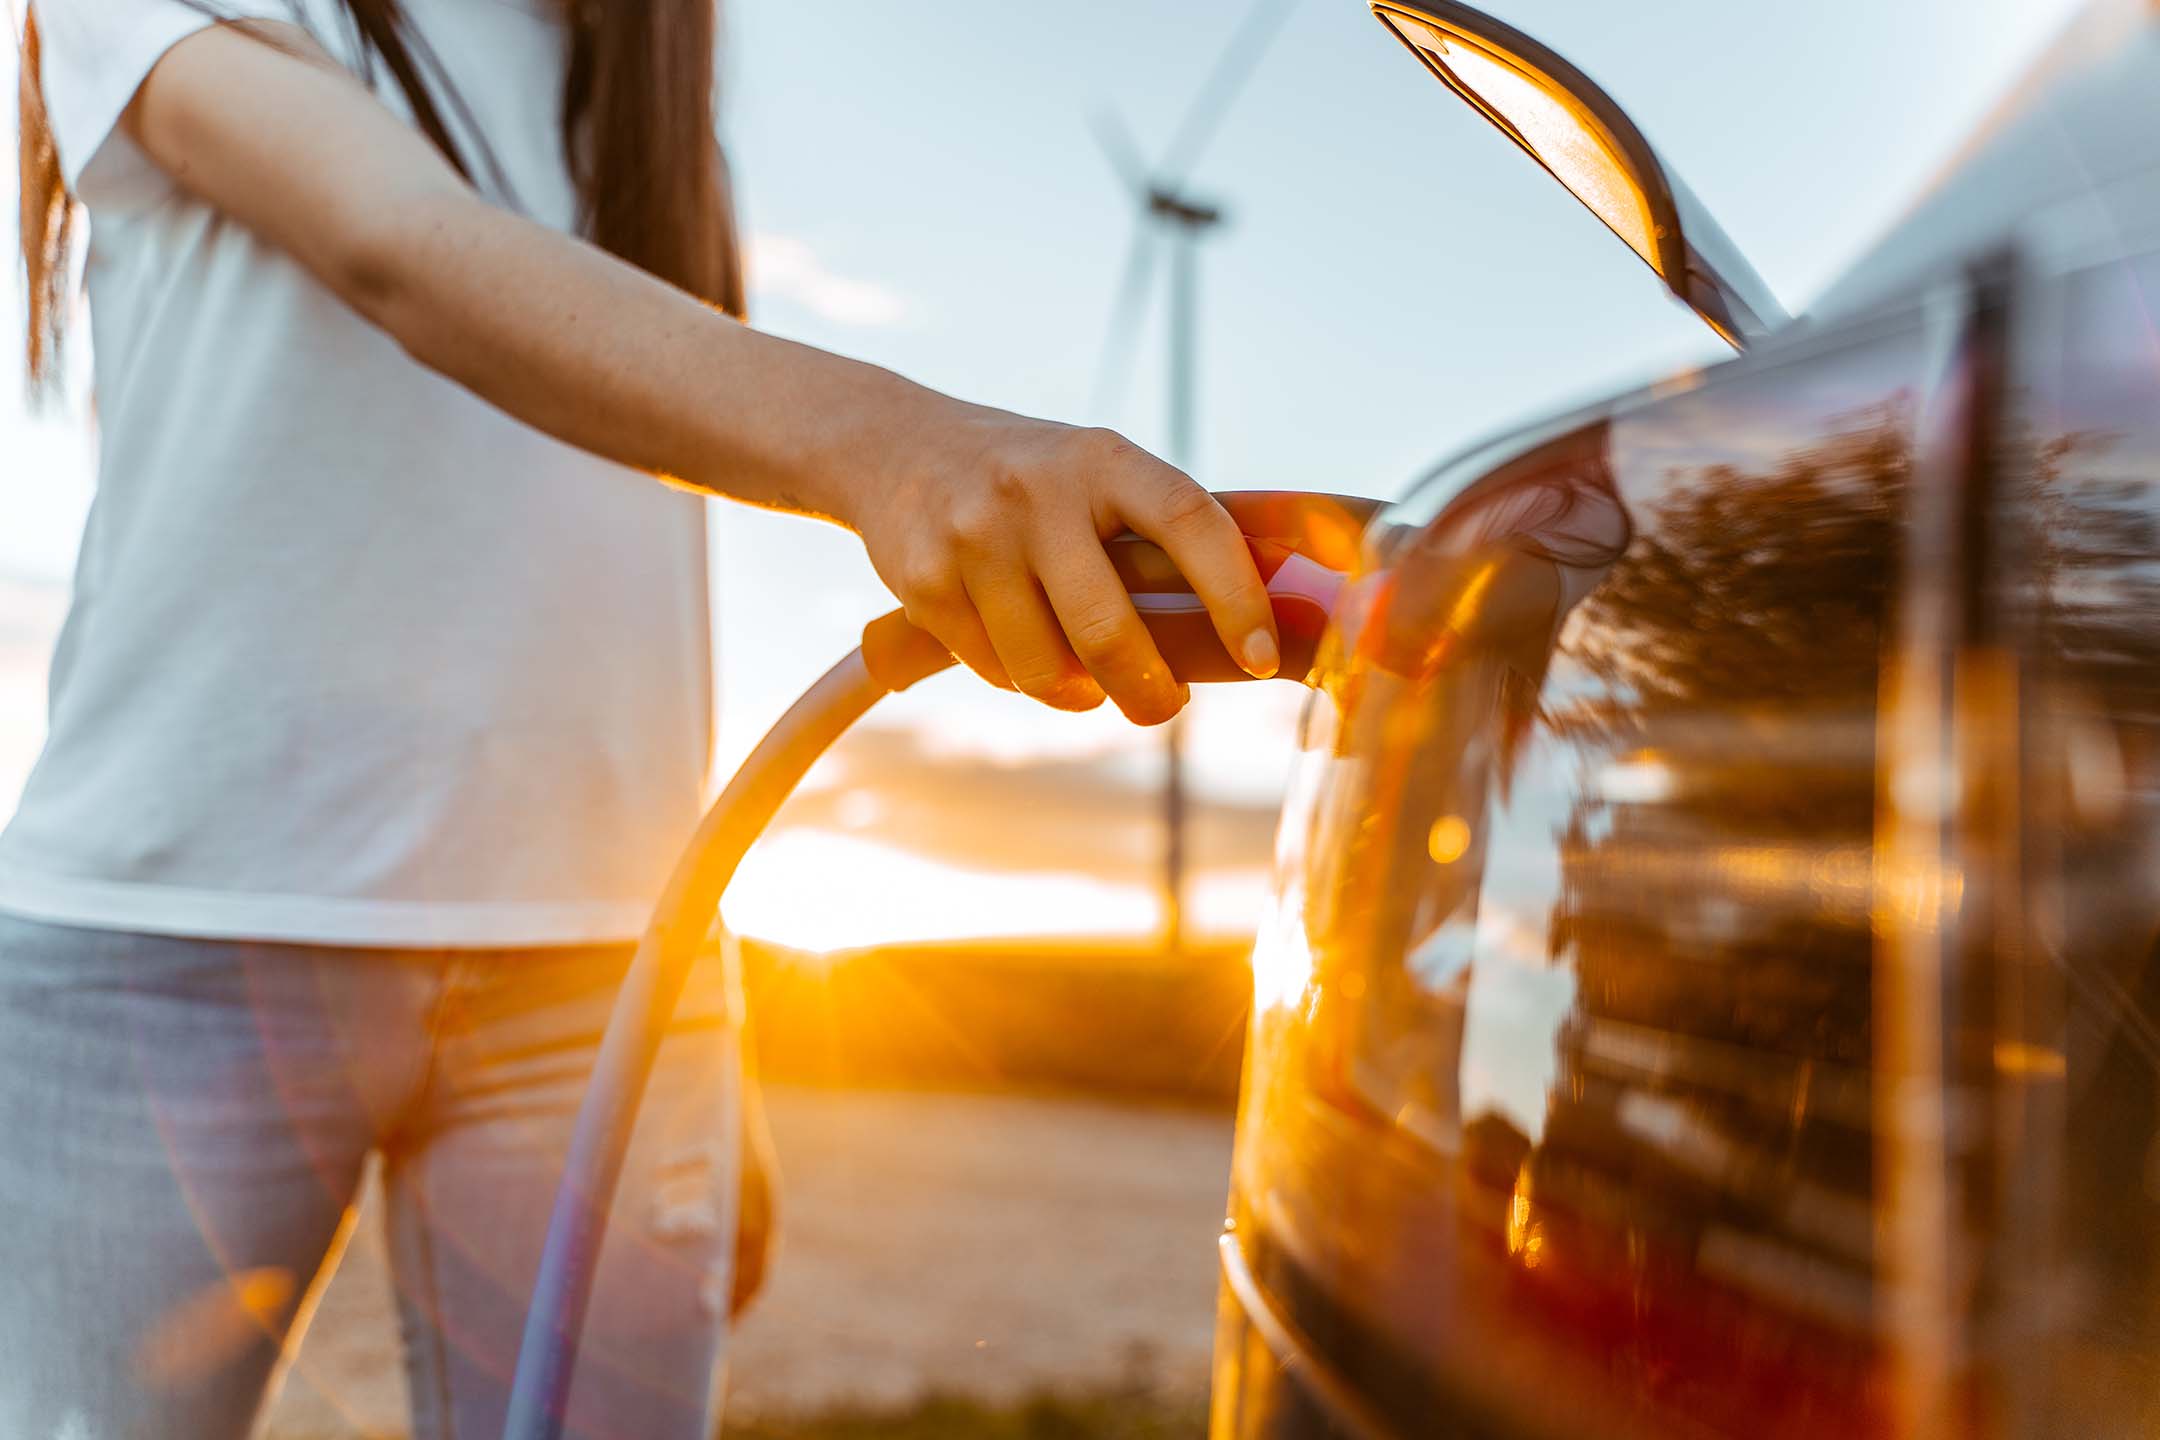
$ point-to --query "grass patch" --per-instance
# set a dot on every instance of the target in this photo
(1121, 1415)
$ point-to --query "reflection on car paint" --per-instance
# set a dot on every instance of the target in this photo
(2080, 509)
(1575, 1110)
(1582, 1081)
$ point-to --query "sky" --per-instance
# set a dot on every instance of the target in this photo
(923, 189)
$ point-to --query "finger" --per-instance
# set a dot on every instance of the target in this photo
(1104, 630)
(946, 612)
(1208, 549)
(1024, 631)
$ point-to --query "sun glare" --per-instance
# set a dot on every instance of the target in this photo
(1282, 958)
(818, 890)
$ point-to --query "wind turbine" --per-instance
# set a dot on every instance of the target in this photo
(1167, 213)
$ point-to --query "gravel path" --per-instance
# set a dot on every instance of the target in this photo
(980, 1244)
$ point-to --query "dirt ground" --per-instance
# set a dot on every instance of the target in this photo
(983, 1245)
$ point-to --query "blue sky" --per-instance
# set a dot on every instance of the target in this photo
(1395, 280)
(923, 190)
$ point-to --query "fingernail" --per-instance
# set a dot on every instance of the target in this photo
(1261, 657)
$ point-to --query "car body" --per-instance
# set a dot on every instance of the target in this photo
(1709, 988)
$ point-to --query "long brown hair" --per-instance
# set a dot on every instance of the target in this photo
(637, 126)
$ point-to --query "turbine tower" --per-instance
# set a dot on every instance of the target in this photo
(1167, 213)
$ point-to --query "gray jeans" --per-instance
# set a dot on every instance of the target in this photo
(183, 1125)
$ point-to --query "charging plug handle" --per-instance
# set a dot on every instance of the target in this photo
(1303, 544)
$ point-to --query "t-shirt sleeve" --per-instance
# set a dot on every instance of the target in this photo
(97, 53)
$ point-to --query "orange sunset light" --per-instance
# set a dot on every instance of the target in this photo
(819, 890)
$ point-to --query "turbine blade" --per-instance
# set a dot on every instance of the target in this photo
(1127, 310)
(1239, 58)
(1118, 147)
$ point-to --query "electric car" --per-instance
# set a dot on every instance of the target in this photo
(1709, 987)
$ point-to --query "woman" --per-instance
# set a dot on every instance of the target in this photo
(381, 706)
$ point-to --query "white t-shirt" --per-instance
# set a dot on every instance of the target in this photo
(352, 657)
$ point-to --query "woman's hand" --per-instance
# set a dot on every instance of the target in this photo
(990, 528)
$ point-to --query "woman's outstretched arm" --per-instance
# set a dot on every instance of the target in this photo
(987, 525)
